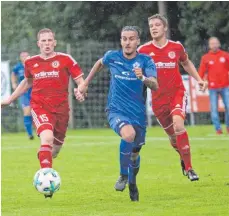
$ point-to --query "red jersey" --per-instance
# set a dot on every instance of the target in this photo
(51, 78)
(167, 60)
(216, 65)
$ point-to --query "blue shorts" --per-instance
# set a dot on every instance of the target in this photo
(117, 121)
(24, 100)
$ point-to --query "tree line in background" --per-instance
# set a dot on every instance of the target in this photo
(192, 23)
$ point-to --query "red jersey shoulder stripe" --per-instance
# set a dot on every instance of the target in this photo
(145, 44)
(67, 55)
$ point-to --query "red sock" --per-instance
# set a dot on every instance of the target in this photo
(184, 149)
(174, 145)
(45, 156)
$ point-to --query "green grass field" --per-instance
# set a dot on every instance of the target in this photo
(88, 165)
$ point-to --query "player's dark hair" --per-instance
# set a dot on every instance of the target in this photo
(45, 30)
(160, 17)
(132, 28)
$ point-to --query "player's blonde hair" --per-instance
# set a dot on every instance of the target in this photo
(45, 30)
(160, 17)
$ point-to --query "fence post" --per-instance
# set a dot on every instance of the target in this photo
(192, 118)
(70, 94)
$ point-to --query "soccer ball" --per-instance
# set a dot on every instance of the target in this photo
(47, 181)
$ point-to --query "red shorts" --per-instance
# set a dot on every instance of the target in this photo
(167, 107)
(55, 121)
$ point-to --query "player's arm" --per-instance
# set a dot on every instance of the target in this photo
(96, 68)
(80, 82)
(83, 84)
(202, 68)
(190, 69)
(20, 90)
(14, 80)
(150, 82)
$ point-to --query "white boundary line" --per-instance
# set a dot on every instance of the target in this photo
(207, 138)
(109, 142)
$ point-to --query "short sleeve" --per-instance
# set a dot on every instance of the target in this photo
(150, 68)
(27, 72)
(74, 68)
(183, 54)
(15, 70)
(107, 57)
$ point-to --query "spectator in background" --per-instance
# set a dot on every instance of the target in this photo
(214, 67)
(17, 76)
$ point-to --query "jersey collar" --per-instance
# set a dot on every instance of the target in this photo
(48, 57)
(161, 46)
(219, 50)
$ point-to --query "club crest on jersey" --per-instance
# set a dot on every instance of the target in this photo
(55, 64)
(222, 59)
(136, 65)
(172, 55)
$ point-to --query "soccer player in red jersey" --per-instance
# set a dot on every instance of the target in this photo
(169, 101)
(48, 74)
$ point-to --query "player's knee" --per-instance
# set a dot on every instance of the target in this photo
(178, 128)
(128, 133)
(178, 124)
(27, 111)
(47, 137)
(129, 137)
(49, 140)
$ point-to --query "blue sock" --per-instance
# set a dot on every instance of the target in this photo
(28, 125)
(125, 153)
(133, 170)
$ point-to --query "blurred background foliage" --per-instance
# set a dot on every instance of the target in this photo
(192, 23)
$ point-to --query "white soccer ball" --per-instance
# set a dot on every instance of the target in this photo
(47, 181)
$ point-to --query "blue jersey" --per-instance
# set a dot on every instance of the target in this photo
(126, 93)
(24, 99)
(18, 70)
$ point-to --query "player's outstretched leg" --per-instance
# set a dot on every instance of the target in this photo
(184, 147)
(45, 151)
(173, 142)
(132, 174)
(125, 153)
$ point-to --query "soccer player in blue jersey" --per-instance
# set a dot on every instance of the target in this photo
(17, 76)
(131, 73)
